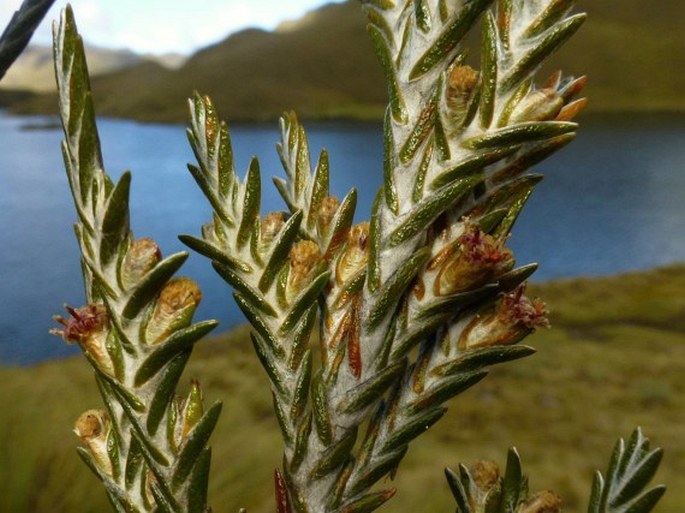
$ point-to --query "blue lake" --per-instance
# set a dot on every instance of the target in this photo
(612, 201)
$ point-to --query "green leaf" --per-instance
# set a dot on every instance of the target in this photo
(450, 37)
(421, 173)
(194, 444)
(177, 343)
(422, 15)
(489, 62)
(335, 455)
(341, 223)
(458, 491)
(551, 41)
(301, 390)
(513, 481)
(424, 213)
(199, 482)
(303, 431)
(647, 501)
(394, 287)
(380, 45)
(270, 365)
(164, 390)
(413, 428)
(374, 274)
(251, 200)
(322, 417)
(554, 12)
(151, 284)
(371, 473)
(473, 163)
(389, 166)
(368, 503)
(320, 187)
(445, 390)
(422, 129)
(304, 301)
(214, 253)
(281, 248)
(514, 278)
(282, 418)
(115, 223)
(481, 358)
(369, 391)
(301, 335)
(520, 133)
(252, 295)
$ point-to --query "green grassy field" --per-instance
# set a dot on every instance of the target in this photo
(613, 360)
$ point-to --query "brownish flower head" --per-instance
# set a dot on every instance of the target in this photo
(303, 258)
(462, 79)
(89, 327)
(486, 474)
(542, 502)
(479, 258)
(326, 211)
(271, 225)
(141, 257)
(512, 318)
(355, 255)
(85, 323)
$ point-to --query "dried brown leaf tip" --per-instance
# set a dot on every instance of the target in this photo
(174, 308)
(93, 427)
(478, 258)
(88, 327)
(512, 318)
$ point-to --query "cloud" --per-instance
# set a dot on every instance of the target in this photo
(161, 26)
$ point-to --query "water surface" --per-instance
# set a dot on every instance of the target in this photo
(612, 201)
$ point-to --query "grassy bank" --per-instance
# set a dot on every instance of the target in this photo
(613, 360)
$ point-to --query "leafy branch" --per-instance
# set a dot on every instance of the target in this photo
(147, 447)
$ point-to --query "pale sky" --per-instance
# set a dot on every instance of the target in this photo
(161, 26)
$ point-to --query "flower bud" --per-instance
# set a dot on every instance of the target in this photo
(188, 414)
(541, 502)
(141, 257)
(538, 105)
(326, 211)
(88, 327)
(93, 428)
(355, 255)
(508, 322)
(479, 258)
(174, 309)
(303, 258)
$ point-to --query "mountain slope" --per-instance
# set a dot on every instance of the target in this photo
(324, 66)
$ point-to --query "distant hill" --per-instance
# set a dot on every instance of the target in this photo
(323, 66)
(34, 71)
